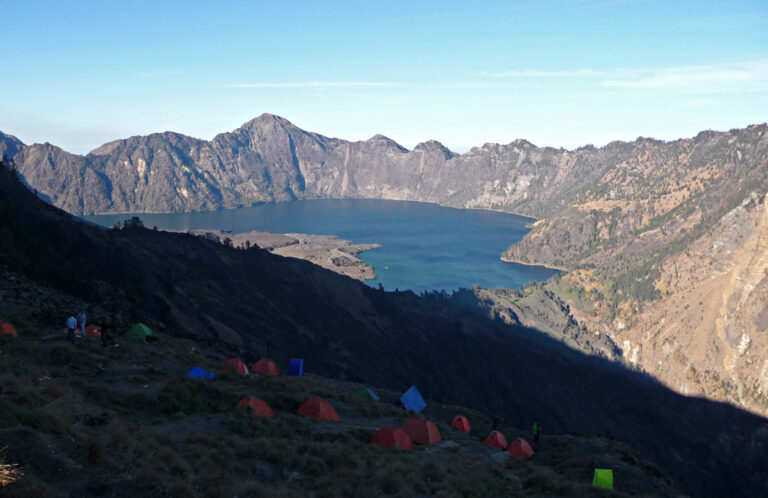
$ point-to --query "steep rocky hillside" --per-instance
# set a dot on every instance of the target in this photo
(250, 302)
(268, 159)
(668, 258)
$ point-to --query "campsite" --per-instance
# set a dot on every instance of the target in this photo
(197, 425)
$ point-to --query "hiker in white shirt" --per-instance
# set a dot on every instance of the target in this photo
(71, 325)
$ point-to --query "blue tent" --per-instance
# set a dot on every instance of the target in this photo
(296, 367)
(200, 373)
(412, 400)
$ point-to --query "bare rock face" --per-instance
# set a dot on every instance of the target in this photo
(9, 145)
(269, 159)
(668, 256)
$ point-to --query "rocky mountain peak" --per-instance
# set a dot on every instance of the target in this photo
(433, 146)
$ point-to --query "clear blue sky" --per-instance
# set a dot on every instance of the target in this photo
(560, 73)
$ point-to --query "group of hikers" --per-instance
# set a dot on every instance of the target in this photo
(75, 322)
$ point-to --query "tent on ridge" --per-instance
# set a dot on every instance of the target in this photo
(496, 440)
(200, 373)
(141, 333)
(264, 367)
(319, 409)
(296, 367)
(412, 400)
(93, 330)
(256, 407)
(367, 393)
(422, 431)
(7, 329)
(461, 423)
(388, 437)
(234, 365)
(603, 478)
(520, 448)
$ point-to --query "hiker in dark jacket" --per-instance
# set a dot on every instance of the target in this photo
(106, 335)
(71, 324)
(81, 322)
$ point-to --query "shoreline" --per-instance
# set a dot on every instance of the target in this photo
(327, 251)
(538, 265)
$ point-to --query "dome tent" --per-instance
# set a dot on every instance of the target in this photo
(319, 409)
(256, 407)
(141, 333)
(461, 424)
(495, 440)
(265, 367)
(234, 365)
(388, 437)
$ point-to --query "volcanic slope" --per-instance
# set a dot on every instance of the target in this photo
(247, 302)
(138, 427)
(667, 257)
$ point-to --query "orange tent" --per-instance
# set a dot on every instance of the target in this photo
(496, 439)
(422, 431)
(461, 423)
(256, 407)
(234, 365)
(7, 329)
(519, 448)
(92, 330)
(264, 367)
(319, 409)
(388, 437)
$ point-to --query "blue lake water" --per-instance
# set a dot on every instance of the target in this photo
(424, 246)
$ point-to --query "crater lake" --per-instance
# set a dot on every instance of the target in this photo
(425, 247)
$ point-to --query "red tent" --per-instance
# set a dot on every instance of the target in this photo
(519, 448)
(319, 409)
(496, 440)
(422, 431)
(388, 437)
(7, 329)
(264, 367)
(234, 365)
(92, 330)
(256, 407)
(461, 423)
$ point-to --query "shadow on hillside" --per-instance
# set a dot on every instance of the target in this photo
(252, 303)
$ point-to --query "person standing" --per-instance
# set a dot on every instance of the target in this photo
(81, 322)
(71, 324)
(536, 430)
(106, 334)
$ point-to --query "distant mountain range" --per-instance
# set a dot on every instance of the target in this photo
(665, 242)
(269, 159)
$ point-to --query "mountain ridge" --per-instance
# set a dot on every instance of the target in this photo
(269, 159)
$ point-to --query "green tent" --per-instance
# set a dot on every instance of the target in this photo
(367, 393)
(141, 333)
(603, 478)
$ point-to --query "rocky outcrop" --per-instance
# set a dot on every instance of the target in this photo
(9, 145)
